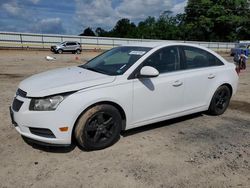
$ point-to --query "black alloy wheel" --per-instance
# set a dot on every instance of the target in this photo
(99, 127)
(220, 101)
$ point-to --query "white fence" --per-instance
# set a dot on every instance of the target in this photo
(31, 40)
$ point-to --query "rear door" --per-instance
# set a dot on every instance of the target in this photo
(200, 70)
(70, 46)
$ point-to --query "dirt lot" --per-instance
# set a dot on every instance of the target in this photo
(194, 151)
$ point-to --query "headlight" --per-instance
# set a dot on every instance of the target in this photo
(46, 104)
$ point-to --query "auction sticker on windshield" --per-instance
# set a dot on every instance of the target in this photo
(137, 53)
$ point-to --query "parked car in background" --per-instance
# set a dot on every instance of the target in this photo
(123, 88)
(68, 46)
(239, 47)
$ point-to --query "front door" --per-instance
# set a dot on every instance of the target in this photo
(156, 98)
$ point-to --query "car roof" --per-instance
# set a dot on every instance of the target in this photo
(169, 43)
(162, 44)
(72, 41)
(146, 44)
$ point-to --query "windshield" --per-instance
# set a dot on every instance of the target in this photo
(61, 43)
(116, 61)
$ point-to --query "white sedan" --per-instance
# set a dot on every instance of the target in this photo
(123, 88)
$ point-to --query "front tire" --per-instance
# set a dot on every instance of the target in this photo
(60, 51)
(98, 128)
(220, 101)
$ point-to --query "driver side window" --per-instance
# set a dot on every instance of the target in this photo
(164, 60)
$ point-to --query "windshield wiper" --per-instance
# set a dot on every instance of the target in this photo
(93, 69)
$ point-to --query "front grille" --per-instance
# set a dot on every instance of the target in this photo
(21, 93)
(42, 132)
(16, 105)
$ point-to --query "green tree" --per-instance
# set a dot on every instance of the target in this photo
(167, 26)
(101, 32)
(205, 20)
(124, 28)
(88, 32)
(216, 19)
(146, 29)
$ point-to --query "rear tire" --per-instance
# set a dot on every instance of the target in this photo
(78, 51)
(98, 128)
(220, 101)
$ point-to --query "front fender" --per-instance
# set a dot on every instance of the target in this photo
(74, 105)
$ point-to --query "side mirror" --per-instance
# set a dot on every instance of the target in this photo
(148, 72)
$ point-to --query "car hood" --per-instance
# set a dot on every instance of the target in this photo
(63, 80)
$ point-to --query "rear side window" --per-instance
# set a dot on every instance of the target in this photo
(198, 58)
(164, 60)
(71, 43)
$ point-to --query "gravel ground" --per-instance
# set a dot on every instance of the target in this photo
(192, 151)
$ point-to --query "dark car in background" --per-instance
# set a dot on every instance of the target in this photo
(240, 47)
(67, 46)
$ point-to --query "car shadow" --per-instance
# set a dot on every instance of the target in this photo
(147, 82)
(67, 149)
(160, 124)
(49, 148)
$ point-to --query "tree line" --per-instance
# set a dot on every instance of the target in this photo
(202, 20)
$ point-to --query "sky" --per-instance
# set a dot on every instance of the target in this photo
(73, 16)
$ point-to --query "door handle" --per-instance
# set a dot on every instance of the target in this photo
(177, 83)
(211, 76)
